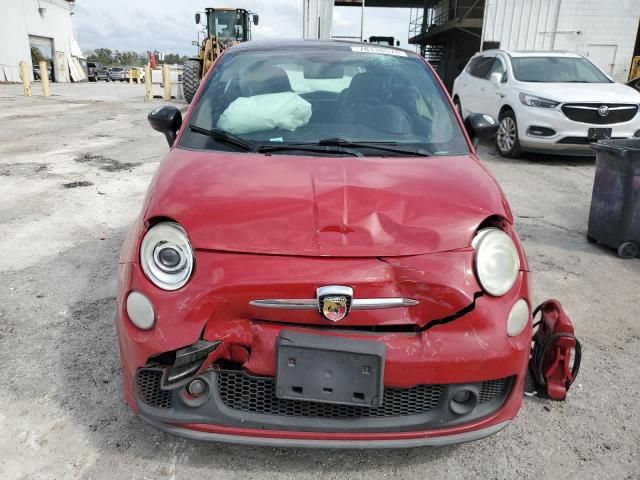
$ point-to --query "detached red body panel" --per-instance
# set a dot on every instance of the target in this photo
(333, 301)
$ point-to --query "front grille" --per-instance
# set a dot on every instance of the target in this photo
(588, 112)
(242, 392)
(149, 389)
(492, 389)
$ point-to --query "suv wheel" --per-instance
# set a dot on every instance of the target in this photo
(507, 141)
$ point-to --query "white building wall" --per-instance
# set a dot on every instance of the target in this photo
(316, 19)
(21, 18)
(603, 30)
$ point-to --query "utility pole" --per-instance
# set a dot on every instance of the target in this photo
(362, 23)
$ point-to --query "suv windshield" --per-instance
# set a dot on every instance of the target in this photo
(557, 70)
(369, 100)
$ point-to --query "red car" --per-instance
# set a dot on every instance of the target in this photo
(322, 260)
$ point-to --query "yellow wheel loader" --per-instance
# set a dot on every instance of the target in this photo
(224, 27)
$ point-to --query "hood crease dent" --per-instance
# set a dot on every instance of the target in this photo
(325, 206)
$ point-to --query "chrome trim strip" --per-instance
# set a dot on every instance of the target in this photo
(312, 304)
(377, 303)
(287, 303)
(584, 107)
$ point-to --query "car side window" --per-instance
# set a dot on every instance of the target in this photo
(480, 66)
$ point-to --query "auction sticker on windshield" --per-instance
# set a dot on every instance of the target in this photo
(382, 50)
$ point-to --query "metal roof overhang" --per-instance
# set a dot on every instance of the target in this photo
(469, 25)
(387, 3)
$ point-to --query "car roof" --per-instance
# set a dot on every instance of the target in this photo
(275, 44)
(534, 53)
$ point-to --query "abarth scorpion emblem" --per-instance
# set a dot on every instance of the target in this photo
(603, 111)
(334, 301)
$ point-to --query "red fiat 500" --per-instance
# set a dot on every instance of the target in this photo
(322, 260)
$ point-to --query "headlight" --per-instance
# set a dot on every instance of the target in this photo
(533, 101)
(496, 261)
(166, 256)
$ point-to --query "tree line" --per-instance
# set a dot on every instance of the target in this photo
(129, 58)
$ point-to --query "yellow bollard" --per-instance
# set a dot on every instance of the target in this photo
(26, 80)
(44, 77)
(147, 83)
(166, 79)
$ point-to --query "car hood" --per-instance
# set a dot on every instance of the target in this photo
(583, 92)
(324, 206)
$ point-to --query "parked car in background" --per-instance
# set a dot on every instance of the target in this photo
(36, 72)
(556, 102)
(97, 72)
(118, 74)
(363, 287)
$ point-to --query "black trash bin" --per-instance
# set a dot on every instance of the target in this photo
(614, 219)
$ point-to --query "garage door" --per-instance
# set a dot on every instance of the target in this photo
(41, 49)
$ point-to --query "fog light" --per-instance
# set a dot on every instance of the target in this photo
(540, 131)
(462, 396)
(140, 311)
(463, 401)
(197, 387)
(518, 318)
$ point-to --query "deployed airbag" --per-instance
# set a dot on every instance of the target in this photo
(285, 110)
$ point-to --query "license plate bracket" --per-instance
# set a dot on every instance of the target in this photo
(328, 369)
(599, 133)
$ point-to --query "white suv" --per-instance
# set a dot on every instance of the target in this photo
(556, 102)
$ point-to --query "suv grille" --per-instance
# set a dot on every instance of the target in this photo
(589, 112)
(245, 393)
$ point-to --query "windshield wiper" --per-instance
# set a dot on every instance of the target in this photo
(225, 137)
(391, 147)
(308, 147)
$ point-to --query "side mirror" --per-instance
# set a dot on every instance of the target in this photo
(166, 119)
(496, 78)
(197, 18)
(480, 127)
(256, 19)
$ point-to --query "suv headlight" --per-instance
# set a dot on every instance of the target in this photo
(533, 101)
(166, 256)
(496, 261)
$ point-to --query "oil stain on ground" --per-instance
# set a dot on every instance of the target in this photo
(80, 183)
(105, 163)
(23, 169)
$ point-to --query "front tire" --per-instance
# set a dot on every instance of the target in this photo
(507, 141)
(190, 79)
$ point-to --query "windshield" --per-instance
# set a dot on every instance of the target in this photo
(557, 70)
(316, 96)
(228, 26)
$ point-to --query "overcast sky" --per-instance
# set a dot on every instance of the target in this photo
(168, 25)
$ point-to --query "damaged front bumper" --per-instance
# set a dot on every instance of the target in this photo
(453, 341)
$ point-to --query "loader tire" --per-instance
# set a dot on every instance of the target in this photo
(190, 79)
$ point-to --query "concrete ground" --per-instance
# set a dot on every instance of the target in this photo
(73, 173)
